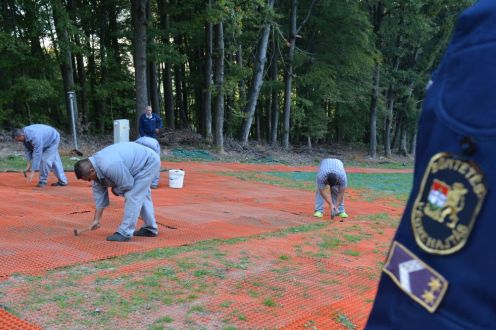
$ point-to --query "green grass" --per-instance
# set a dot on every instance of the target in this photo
(374, 185)
(269, 302)
(352, 253)
(330, 243)
(345, 321)
(18, 163)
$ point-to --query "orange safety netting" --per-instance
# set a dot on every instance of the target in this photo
(10, 322)
(37, 225)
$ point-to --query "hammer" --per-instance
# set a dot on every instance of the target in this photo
(78, 232)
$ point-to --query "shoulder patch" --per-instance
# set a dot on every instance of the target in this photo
(447, 205)
(417, 279)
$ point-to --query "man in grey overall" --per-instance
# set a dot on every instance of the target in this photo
(129, 169)
(41, 143)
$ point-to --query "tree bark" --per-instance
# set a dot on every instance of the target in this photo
(207, 92)
(373, 112)
(65, 56)
(256, 81)
(152, 69)
(139, 19)
(288, 74)
(167, 70)
(274, 72)
(219, 86)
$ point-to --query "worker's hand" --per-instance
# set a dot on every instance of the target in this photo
(157, 130)
(116, 192)
(334, 212)
(29, 176)
(95, 224)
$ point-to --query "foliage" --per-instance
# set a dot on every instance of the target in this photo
(337, 46)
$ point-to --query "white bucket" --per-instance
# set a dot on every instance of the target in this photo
(176, 178)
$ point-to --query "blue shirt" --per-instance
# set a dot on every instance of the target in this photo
(148, 126)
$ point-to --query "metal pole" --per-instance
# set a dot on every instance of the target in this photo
(72, 100)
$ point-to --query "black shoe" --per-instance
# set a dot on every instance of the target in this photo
(41, 184)
(144, 232)
(59, 184)
(118, 237)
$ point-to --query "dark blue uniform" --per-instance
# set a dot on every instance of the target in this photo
(441, 269)
(148, 126)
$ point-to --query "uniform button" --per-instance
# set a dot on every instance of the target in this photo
(468, 145)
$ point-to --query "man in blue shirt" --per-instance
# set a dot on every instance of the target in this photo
(441, 266)
(149, 123)
(41, 143)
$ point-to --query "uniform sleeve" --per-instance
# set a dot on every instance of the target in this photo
(121, 177)
(100, 194)
(158, 122)
(28, 154)
(37, 142)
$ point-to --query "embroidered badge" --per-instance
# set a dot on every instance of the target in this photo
(447, 205)
(419, 281)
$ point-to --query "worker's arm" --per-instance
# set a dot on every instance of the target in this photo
(96, 218)
(327, 197)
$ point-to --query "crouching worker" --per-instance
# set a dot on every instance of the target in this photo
(128, 169)
(41, 143)
(331, 173)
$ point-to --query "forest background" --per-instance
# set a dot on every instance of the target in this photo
(281, 73)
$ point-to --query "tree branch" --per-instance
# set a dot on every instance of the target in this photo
(306, 17)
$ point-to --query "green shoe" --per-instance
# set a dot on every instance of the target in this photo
(343, 215)
(318, 214)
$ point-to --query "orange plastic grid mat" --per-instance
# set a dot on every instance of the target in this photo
(37, 224)
(10, 322)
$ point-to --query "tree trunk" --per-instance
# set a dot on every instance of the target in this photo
(138, 13)
(373, 111)
(152, 68)
(413, 144)
(153, 86)
(268, 116)
(256, 81)
(207, 92)
(274, 72)
(167, 70)
(65, 56)
(219, 87)
(403, 148)
(83, 99)
(288, 74)
(387, 125)
(184, 97)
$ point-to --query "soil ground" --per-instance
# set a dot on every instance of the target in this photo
(238, 249)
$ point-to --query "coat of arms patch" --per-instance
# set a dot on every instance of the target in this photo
(447, 205)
